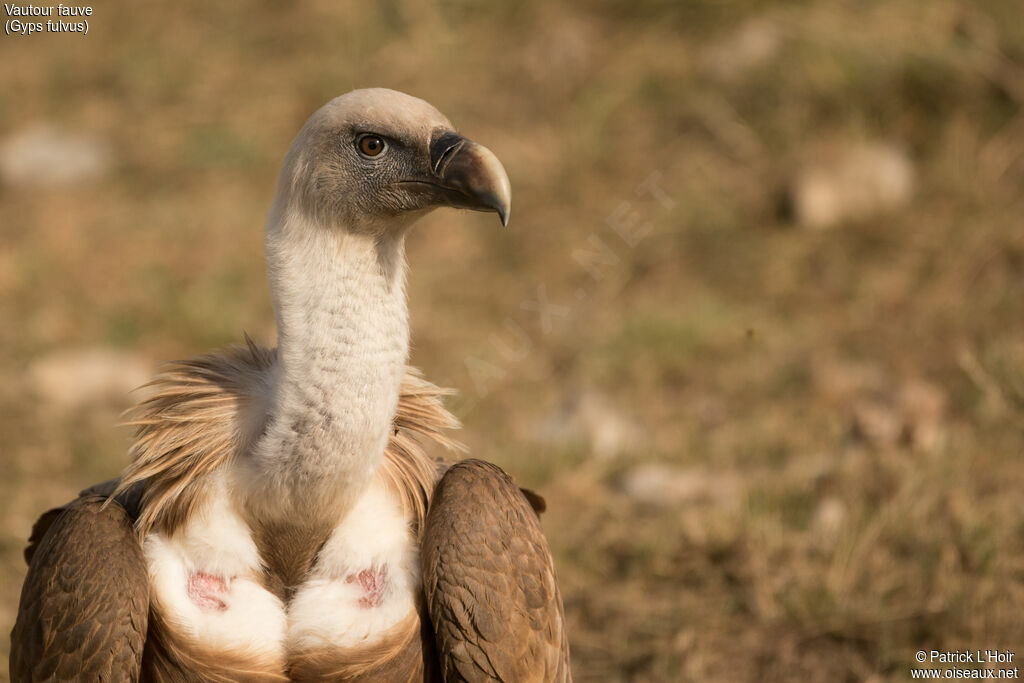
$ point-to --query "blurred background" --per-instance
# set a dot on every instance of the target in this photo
(756, 329)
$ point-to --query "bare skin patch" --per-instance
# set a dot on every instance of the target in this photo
(374, 582)
(204, 590)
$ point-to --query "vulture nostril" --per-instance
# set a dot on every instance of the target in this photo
(442, 161)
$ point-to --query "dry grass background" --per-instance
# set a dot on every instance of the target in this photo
(775, 446)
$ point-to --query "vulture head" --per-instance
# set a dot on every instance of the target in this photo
(375, 159)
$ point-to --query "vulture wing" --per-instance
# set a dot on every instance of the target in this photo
(85, 603)
(490, 581)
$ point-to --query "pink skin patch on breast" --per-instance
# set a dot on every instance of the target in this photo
(204, 588)
(373, 582)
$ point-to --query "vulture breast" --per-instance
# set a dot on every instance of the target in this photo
(213, 599)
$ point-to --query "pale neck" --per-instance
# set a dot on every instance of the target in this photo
(343, 340)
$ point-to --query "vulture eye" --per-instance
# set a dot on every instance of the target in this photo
(371, 145)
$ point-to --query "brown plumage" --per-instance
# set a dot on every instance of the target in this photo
(491, 624)
(84, 610)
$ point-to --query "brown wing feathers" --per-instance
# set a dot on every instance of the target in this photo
(489, 581)
(85, 604)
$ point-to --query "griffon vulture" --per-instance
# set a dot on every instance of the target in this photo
(279, 521)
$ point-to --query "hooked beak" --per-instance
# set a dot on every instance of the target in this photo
(466, 175)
